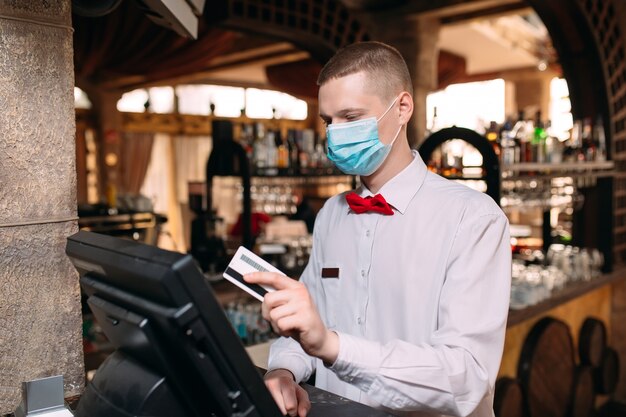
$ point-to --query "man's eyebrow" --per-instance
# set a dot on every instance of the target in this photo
(343, 112)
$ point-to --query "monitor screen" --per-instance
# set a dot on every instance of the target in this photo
(176, 352)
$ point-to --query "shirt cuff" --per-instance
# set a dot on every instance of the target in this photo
(295, 364)
(358, 361)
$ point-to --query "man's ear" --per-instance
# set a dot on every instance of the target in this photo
(406, 107)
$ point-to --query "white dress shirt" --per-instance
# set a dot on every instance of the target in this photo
(421, 299)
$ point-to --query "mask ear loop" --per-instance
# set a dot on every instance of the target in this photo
(384, 114)
(388, 108)
(397, 135)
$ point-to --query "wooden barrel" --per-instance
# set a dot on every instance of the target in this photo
(546, 369)
(592, 342)
(606, 376)
(583, 396)
(508, 400)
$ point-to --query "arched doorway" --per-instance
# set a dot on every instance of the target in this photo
(590, 44)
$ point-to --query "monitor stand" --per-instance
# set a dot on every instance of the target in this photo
(143, 394)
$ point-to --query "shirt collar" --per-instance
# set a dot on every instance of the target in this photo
(400, 190)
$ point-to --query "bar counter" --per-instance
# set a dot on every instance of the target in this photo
(569, 293)
(573, 304)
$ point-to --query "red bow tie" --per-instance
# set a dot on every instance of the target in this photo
(360, 205)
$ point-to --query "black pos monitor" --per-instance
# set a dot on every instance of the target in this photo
(176, 353)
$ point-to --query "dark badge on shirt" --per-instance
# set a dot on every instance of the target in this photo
(330, 272)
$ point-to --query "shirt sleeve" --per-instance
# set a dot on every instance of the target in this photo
(458, 368)
(286, 353)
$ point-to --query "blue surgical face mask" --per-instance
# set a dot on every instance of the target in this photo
(354, 147)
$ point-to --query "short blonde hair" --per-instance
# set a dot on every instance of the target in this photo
(384, 66)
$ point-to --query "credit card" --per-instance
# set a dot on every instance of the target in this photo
(245, 262)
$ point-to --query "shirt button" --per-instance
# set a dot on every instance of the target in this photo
(368, 233)
(359, 320)
(363, 272)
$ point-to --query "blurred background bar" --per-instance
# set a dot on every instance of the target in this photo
(199, 132)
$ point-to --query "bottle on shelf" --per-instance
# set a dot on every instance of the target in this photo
(589, 147)
(492, 137)
(505, 127)
(600, 139)
(554, 147)
(509, 151)
(538, 141)
(574, 150)
(524, 136)
(433, 125)
(307, 148)
(247, 140)
(292, 148)
(111, 196)
(319, 155)
(271, 149)
(282, 159)
(518, 133)
(452, 158)
(260, 149)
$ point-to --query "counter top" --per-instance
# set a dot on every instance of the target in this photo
(568, 293)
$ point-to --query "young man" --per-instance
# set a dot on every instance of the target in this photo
(404, 301)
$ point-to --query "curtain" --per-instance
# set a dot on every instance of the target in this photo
(160, 186)
(192, 153)
(173, 163)
(135, 156)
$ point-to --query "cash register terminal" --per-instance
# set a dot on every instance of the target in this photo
(176, 352)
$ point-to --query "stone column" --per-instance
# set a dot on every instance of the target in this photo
(416, 39)
(40, 314)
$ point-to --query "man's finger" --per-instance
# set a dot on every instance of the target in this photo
(284, 310)
(304, 404)
(274, 388)
(287, 325)
(284, 331)
(265, 311)
(276, 298)
(276, 280)
(290, 399)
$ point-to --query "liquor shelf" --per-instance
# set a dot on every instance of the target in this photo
(561, 167)
(566, 169)
(300, 172)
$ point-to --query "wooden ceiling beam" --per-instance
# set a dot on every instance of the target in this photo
(261, 54)
(447, 9)
(496, 11)
(252, 54)
(210, 75)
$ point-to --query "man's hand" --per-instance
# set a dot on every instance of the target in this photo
(290, 397)
(292, 313)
